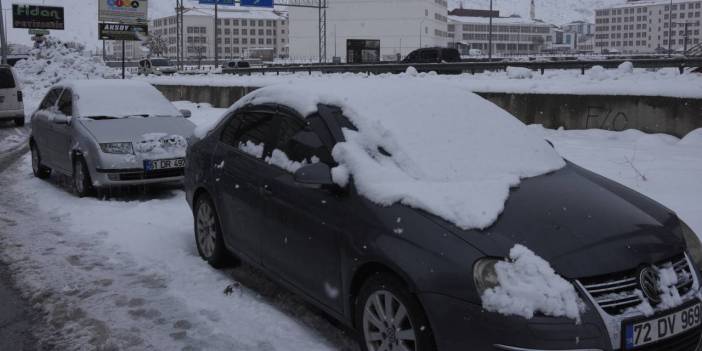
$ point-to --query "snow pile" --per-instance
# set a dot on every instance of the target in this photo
(667, 283)
(519, 73)
(694, 138)
(528, 285)
(55, 62)
(161, 145)
(431, 146)
(626, 68)
(278, 158)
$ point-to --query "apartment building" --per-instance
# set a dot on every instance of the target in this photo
(397, 27)
(644, 26)
(511, 35)
(241, 32)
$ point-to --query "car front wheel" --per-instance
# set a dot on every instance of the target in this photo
(208, 234)
(390, 318)
(19, 121)
(82, 184)
(40, 171)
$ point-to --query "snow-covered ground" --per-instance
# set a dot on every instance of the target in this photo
(596, 81)
(124, 273)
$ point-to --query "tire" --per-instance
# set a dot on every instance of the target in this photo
(82, 185)
(19, 122)
(40, 171)
(208, 233)
(384, 328)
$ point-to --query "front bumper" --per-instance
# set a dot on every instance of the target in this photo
(461, 326)
(135, 176)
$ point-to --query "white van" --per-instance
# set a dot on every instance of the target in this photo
(11, 105)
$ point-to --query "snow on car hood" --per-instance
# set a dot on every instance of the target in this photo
(137, 129)
(429, 145)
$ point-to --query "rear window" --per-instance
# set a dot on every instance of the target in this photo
(7, 81)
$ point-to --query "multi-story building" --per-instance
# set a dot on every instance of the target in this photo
(396, 26)
(511, 35)
(581, 27)
(240, 32)
(642, 26)
(133, 50)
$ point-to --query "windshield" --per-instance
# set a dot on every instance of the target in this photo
(161, 62)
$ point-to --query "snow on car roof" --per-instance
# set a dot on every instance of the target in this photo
(118, 98)
(451, 152)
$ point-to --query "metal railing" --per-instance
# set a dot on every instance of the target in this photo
(472, 67)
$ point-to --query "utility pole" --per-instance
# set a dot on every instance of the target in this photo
(322, 31)
(490, 34)
(670, 30)
(216, 34)
(3, 38)
(123, 58)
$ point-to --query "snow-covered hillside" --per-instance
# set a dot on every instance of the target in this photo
(552, 11)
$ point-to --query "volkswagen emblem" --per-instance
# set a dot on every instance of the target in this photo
(648, 280)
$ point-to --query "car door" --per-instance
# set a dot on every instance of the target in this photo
(41, 125)
(302, 245)
(239, 168)
(60, 139)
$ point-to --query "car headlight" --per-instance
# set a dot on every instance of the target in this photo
(117, 148)
(694, 247)
(485, 275)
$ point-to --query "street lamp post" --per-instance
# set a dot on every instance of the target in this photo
(670, 30)
(3, 39)
(490, 34)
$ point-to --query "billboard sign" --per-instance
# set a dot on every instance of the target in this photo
(119, 31)
(38, 32)
(123, 11)
(218, 2)
(37, 17)
(257, 3)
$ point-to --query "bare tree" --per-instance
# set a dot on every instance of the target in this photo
(156, 44)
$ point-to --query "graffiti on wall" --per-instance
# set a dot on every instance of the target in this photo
(602, 117)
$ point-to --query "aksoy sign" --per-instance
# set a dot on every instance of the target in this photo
(39, 17)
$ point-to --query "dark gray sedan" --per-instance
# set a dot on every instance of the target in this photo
(279, 184)
(107, 133)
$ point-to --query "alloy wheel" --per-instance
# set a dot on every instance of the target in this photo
(386, 324)
(206, 231)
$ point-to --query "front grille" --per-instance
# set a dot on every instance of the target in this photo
(615, 293)
(166, 173)
(683, 342)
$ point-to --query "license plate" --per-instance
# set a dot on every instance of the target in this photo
(155, 165)
(663, 327)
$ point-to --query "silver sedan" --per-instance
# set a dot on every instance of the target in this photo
(106, 133)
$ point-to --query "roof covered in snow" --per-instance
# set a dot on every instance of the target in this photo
(430, 145)
(118, 98)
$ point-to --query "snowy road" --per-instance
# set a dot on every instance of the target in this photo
(124, 273)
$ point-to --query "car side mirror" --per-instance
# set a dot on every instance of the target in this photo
(186, 113)
(60, 119)
(315, 174)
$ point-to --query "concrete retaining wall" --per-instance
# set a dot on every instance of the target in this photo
(651, 114)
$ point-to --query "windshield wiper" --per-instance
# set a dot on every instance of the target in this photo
(99, 118)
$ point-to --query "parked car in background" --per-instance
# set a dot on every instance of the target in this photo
(238, 64)
(369, 199)
(157, 66)
(107, 133)
(11, 99)
(433, 55)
